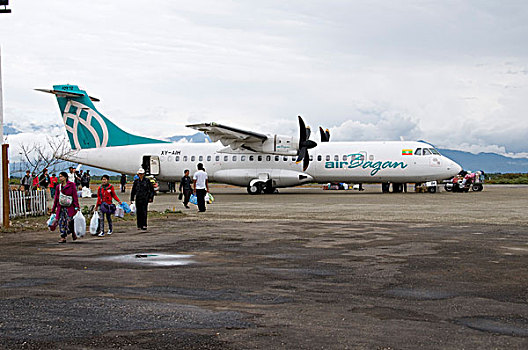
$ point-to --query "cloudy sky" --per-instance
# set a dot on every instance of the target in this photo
(454, 73)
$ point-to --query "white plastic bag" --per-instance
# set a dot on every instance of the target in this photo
(86, 192)
(120, 212)
(94, 223)
(79, 224)
(133, 208)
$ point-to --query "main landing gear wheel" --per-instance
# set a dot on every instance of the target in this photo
(255, 189)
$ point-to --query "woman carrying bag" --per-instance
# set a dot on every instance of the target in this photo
(104, 205)
(65, 206)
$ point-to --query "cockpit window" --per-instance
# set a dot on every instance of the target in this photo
(418, 152)
(434, 151)
(426, 152)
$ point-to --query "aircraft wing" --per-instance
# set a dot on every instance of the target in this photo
(233, 137)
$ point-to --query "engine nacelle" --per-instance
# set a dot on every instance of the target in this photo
(280, 145)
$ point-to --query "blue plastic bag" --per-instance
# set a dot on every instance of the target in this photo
(125, 207)
(51, 219)
(193, 199)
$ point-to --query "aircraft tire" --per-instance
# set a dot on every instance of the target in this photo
(385, 187)
(269, 190)
(447, 188)
(255, 189)
(431, 189)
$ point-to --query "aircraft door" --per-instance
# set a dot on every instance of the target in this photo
(151, 165)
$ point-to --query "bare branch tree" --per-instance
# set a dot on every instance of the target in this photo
(38, 156)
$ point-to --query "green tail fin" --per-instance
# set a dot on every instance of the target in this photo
(85, 126)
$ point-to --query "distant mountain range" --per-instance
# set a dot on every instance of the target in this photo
(489, 162)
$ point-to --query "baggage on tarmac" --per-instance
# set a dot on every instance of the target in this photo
(79, 224)
(94, 223)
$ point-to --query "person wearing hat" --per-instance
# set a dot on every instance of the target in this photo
(143, 194)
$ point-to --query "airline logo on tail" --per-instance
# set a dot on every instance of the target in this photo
(85, 126)
(79, 118)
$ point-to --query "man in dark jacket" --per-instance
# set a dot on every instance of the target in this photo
(44, 181)
(85, 179)
(186, 188)
(143, 194)
(123, 183)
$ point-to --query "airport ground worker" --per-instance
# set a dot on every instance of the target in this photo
(186, 188)
(201, 186)
(143, 194)
(65, 206)
(104, 206)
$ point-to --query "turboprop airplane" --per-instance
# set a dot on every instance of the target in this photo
(259, 162)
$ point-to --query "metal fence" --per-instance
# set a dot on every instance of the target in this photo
(31, 203)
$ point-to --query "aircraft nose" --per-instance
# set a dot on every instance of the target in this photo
(454, 167)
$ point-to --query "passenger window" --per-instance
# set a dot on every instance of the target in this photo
(200, 158)
(344, 157)
(217, 158)
(418, 152)
(177, 158)
(319, 158)
(285, 159)
(251, 158)
(208, 158)
(327, 157)
(426, 152)
(226, 158)
(268, 158)
(242, 158)
(277, 158)
(311, 158)
(193, 158)
(184, 158)
(234, 158)
(259, 158)
(294, 158)
(336, 157)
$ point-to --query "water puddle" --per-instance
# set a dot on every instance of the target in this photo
(152, 259)
(515, 326)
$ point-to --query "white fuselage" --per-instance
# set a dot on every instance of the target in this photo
(353, 162)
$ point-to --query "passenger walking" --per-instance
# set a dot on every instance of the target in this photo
(85, 179)
(35, 181)
(123, 183)
(186, 188)
(53, 184)
(104, 205)
(27, 181)
(65, 206)
(44, 181)
(143, 194)
(201, 186)
(71, 174)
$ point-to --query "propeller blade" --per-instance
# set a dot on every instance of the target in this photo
(306, 161)
(309, 144)
(302, 154)
(302, 131)
(308, 132)
(325, 134)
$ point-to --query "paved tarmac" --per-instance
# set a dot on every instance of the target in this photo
(302, 269)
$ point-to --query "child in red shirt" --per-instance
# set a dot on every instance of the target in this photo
(104, 206)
